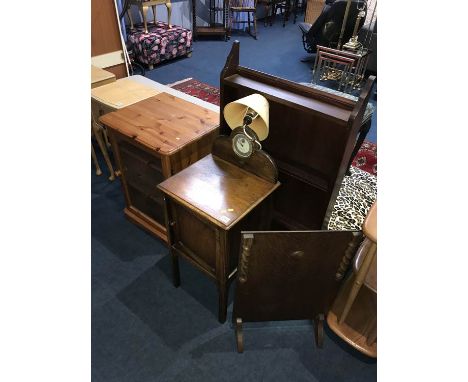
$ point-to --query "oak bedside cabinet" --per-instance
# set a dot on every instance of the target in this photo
(208, 205)
(152, 140)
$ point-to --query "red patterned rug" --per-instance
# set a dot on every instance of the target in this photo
(198, 89)
(366, 158)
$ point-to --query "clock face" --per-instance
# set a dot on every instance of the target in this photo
(242, 146)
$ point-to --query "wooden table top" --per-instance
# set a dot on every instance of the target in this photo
(220, 191)
(163, 123)
(100, 75)
(122, 93)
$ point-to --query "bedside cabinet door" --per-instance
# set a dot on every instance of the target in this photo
(142, 173)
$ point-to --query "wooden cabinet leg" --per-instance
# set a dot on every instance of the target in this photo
(175, 269)
(239, 335)
(318, 326)
(222, 307)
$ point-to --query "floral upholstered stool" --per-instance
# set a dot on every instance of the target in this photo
(161, 43)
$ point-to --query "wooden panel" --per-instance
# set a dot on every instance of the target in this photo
(290, 275)
(196, 235)
(313, 10)
(163, 123)
(105, 34)
(221, 192)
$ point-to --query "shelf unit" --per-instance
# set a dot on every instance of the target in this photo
(217, 20)
(312, 136)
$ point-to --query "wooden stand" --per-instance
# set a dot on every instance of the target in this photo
(153, 140)
(217, 20)
(209, 203)
(312, 137)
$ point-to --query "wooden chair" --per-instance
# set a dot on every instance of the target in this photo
(353, 316)
(271, 9)
(241, 7)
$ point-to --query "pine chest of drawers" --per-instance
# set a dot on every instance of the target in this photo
(152, 140)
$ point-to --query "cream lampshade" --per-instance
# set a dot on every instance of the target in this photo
(234, 113)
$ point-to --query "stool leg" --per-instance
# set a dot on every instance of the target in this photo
(103, 147)
(144, 15)
(96, 163)
(153, 8)
(169, 12)
(360, 276)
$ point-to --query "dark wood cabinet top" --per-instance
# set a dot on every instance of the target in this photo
(217, 189)
(293, 99)
(163, 123)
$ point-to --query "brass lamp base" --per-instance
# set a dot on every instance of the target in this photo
(353, 44)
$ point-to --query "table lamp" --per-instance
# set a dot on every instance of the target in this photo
(248, 118)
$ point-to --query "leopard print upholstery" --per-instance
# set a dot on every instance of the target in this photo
(357, 194)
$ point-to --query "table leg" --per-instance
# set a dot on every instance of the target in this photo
(102, 145)
(170, 241)
(96, 163)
